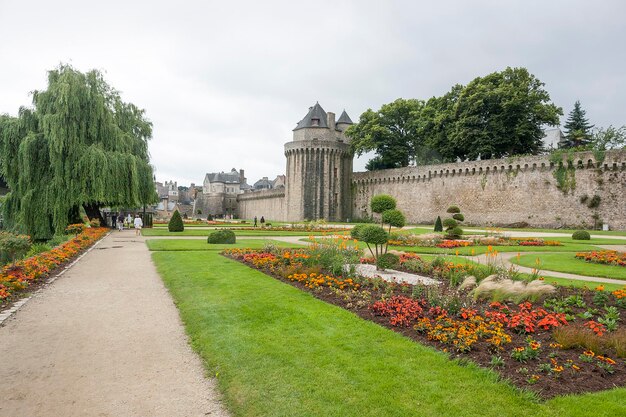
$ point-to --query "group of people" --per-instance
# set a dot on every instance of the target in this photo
(262, 221)
(136, 222)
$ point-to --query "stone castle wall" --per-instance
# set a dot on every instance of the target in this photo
(504, 191)
(270, 204)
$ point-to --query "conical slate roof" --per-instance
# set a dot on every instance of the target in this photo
(315, 112)
(344, 118)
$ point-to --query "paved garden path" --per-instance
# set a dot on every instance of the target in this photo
(104, 339)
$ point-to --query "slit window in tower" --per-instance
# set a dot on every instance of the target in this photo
(336, 199)
(335, 172)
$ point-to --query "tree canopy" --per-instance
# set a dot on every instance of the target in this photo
(79, 145)
(500, 114)
(578, 131)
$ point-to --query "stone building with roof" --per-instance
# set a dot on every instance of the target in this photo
(219, 194)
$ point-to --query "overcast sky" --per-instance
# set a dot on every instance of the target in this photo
(224, 83)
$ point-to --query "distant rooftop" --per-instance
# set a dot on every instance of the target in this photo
(316, 117)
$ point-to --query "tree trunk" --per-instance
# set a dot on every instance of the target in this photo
(93, 212)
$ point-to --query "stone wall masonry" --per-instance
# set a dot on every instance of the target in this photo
(504, 191)
(267, 203)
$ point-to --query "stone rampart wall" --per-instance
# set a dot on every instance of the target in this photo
(267, 203)
(505, 191)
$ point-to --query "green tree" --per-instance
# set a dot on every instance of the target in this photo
(79, 146)
(176, 223)
(577, 128)
(391, 132)
(436, 125)
(438, 225)
(609, 138)
(381, 203)
(501, 114)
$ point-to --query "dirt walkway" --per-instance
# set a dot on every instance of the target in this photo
(105, 339)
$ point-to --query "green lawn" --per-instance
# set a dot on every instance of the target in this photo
(205, 232)
(528, 229)
(197, 244)
(566, 262)
(277, 351)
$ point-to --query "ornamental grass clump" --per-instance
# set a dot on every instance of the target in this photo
(501, 289)
(222, 236)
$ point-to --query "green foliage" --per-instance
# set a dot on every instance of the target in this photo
(176, 223)
(387, 261)
(565, 172)
(382, 202)
(222, 236)
(607, 138)
(450, 223)
(581, 235)
(577, 128)
(438, 225)
(594, 202)
(79, 146)
(373, 234)
(13, 247)
(391, 132)
(394, 218)
(458, 216)
(356, 230)
(453, 209)
(454, 233)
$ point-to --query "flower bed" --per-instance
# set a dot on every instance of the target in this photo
(450, 244)
(20, 275)
(540, 346)
(606, 257)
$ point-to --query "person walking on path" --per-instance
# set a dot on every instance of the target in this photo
(120, 222)
(129, 220)
(262, 221)
(138, 223)
(254, 221)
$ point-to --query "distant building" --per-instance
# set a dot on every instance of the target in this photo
(219, 194)
(552, 138)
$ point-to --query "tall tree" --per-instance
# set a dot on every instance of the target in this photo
(80, 145)
(391, 132)
(577, 128)
(502, 114)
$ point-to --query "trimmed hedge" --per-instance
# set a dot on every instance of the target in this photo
(581, 235)
(222, 236)
(388, 261)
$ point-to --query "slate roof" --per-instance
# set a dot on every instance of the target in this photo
(263, 183)
(344, 118)
(225, 177)
(315, 112)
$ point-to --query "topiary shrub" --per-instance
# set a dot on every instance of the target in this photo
(176, 223)
(354, 232)
(458, 216)
(453, 209)
(438, 225)
(450, 223)
(581, 235)
(387, 261)
(454, 233)
(394, 218)
(222, 236)
(382, 202)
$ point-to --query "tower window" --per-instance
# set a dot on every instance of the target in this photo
(335, 172)
(315, 122)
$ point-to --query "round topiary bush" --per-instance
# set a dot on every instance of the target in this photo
(581, 235)
(454, 233)
(450, 223)
(387, 261)
(373, 234)
(394, 218)
(354, 232)
(458, 216)
(453, 209)
(382, 202)
(222, 236)
(176, 223)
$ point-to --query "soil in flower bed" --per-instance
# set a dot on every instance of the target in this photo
(555, 371)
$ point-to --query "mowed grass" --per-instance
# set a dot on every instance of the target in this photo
(252, 232)
(197, 244)
(278, 351)
(567, 262)
(540, 230)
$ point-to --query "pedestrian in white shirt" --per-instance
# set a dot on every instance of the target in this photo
(138, 225)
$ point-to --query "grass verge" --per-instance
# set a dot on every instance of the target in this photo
(277, 351)
(566, 262)
(197, 244)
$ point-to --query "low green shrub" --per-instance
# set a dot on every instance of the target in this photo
(453, 209)
(450, 223)
(13, 247)
(454, 233)
(222, 236)
(354, 232)
(581, 235)
(458, 216)
(388, 261)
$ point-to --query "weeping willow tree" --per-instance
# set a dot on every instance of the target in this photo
(79, 145)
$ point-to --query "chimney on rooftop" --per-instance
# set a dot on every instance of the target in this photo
(331, 121)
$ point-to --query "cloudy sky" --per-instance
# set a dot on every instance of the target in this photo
(224, 83)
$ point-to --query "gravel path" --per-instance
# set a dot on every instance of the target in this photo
(104, 339)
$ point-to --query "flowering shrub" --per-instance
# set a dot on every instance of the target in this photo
(604, 257)
(315, 280)
(20, 274)
(402, 311)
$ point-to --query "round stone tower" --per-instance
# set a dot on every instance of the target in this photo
(319, 168)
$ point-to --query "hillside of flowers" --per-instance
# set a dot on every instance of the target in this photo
(552, 340)
(17, 277)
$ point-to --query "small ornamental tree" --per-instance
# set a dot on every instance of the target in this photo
(374, 235)
(176, 223)
(393, 218)
(453, 231)
(381, 203)
(438, 225)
